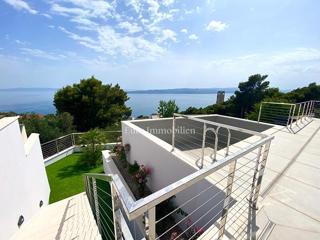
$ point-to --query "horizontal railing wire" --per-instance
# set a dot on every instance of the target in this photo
(221, 191)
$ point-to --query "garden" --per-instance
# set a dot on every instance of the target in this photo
(66, 175)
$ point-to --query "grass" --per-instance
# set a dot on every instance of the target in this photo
(66, 177)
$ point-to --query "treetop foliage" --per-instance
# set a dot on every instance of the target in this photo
(246, 101)
(167, 109)
(93, 104)
(49, 126)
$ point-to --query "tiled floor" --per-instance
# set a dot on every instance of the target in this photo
(68, 219)
(291, 194)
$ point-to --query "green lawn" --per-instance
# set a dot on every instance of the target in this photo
(66, 177)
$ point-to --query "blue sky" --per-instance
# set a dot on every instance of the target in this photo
(147, 44)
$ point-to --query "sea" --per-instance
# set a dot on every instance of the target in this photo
(41, 101)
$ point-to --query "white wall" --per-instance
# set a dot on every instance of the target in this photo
(23, 180)
(167, 167)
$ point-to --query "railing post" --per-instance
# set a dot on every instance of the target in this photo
(310, 110)
(307, 111)
(303, 111)
(260, 113)
(254, 179)
(294, 110)
(261, 172)
(73, 139)
(226, 203)
(96, 203)
(289, 116)
(204, 133)
(151, 223)
(57, 145)
(116, 206)
(298, 115)
(173, 131)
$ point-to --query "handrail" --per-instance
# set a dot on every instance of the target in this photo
(251, 132)
(134, 208)
(57, 139)
(298, 111)
(76, 133)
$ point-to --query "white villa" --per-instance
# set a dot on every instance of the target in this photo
(227, 178)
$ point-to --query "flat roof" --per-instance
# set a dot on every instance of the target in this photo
(6, 121)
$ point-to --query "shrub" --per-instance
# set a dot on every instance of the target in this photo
(93, 147)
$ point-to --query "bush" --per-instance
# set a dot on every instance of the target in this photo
(93, 145)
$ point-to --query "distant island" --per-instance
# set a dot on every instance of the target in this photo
(183, 91)
(151, 91)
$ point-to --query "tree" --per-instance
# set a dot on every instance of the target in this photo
(49, 126)
(250, 93)
(167, 109)
(93, 104)
(93, 141)
(311, 92)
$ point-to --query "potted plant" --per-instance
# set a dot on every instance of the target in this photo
(141, 178)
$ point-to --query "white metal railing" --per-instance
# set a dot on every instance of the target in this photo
(294, 116)
(221, 196)
(200, 145)
(60, 144)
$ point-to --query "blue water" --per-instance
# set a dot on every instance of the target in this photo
(41, 101)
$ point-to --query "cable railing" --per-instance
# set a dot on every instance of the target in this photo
(71, 140)
(219, 199)
(294, 116)
(208, 141)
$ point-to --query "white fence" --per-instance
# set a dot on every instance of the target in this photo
(294, 116)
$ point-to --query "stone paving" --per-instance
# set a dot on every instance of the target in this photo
(68, 219)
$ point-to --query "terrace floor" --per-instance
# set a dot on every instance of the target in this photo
(70, 218)
(290, 193)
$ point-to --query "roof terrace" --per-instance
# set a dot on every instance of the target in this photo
(232, 178)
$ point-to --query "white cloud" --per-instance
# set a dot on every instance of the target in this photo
(46, 15)
(135, 4)
(193, 37)
(168, 34)
(285, 63)
(153, 6)
(84, 22)
(85, 41)
(167, 2)
(144, 29)
(216, 26)
(184, 30)
(115, 44)
(65, 11)
(20, 42)
(21, 5)
(41, 54)
(130, 27)
(132, 47)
